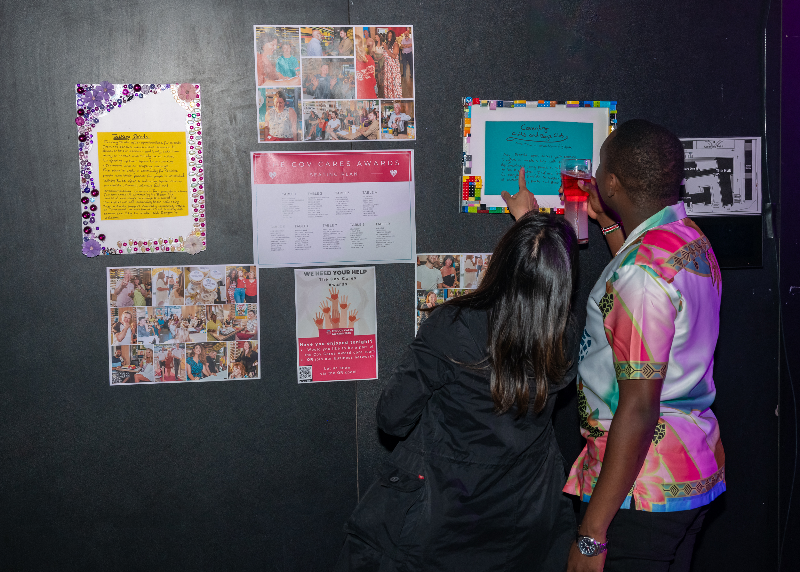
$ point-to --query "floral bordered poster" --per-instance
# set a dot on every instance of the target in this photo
(141, 168)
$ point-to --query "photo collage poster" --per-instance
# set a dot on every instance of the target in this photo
(441, 277)
(336, 323)
(140, 153)
(334, 83)
(183, 323)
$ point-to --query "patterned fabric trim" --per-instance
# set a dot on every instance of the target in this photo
(640, 370)
(693, 488)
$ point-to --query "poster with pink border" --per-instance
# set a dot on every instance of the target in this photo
(336, 324)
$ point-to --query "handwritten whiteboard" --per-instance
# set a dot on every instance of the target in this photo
(497, 142)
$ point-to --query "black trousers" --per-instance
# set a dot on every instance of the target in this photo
(640, 541)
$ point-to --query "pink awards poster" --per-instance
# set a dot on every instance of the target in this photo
(336, 324)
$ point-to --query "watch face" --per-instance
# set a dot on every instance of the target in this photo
(587, 546)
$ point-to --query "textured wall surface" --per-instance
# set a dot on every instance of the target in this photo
(263, 474)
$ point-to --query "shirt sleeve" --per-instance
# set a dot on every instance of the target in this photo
(639, 321)
(422, 371)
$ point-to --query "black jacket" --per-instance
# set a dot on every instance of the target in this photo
(468, 490)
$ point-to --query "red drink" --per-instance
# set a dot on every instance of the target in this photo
(569, 182)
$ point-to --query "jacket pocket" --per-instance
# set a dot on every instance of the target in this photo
(388, 514)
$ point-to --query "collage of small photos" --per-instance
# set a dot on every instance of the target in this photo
(183, 323)
(441, 277)
(334, 83)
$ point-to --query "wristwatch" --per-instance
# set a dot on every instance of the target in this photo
(590, 547)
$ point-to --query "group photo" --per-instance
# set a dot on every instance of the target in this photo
(328, 78)
(241, 284)
(132, 364)
(130, 287)
(277, 52)
(390, 50)
(332, 120)
(438, 271)
(318, 41)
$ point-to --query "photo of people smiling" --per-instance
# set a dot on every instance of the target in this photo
(153, 342)
(440, 277)
(335, 65)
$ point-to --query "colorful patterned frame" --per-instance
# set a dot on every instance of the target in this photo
(93, 102)
(472, 185)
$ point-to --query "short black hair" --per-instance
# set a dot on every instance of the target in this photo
(648, 160)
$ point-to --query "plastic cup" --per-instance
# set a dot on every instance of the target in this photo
(576, 200)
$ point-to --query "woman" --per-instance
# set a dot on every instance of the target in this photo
(139, 293)
(238, 292)
(122, 331)
(196, 366)
(322, 125)
(182, 335)
(251, 288)
(237, 370)
(231, 286)
(365, 71)
(249, 358)
(147, 373)
(392, 86)
(449, 276)
(311, 125)
(475, 484)
(124, 290)
(168, 363)
(176, 296)
(370, 131)
(377, 53)
(162, 289)
(268, 73)
(288, 65)
(280, 121)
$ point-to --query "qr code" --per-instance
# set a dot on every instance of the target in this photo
(304, 374)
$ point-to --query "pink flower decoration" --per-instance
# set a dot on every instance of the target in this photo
(187, 91)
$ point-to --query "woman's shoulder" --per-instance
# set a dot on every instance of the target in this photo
(452, 325)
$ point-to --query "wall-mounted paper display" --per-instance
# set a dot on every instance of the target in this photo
(500, 137)
(722, 176)
(334, 83)
(183, 323)
(336, 324)
(442, 276)
(343, 207)
(141, 168)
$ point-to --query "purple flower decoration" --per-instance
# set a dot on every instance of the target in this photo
(87, 98)
(91, 248)
(193, 244)
(105, 90)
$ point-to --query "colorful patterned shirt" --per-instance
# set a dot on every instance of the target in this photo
(654, 314)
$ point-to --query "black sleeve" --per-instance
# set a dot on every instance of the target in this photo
(572, 345)
(422, 371)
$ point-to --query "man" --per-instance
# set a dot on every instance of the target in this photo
(345, 43)
(211, 360)
(397, 119)
(177, 358)
(321, 84)
(646, 363)
(428, 276)
(407, 54)
(314, 48)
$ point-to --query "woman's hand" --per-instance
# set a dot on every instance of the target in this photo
(579, 563)
(523, 201)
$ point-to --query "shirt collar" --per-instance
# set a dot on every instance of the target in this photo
(666, 215)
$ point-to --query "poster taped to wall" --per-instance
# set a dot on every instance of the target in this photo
(336, 324)
(334, 83)
(342, 207)
(500, 137)
(722, 176)
(173, 324)
(141, 168)
(443, 276)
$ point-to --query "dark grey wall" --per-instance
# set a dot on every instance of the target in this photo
(262, 474)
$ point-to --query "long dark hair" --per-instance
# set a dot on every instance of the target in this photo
(527, 291)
